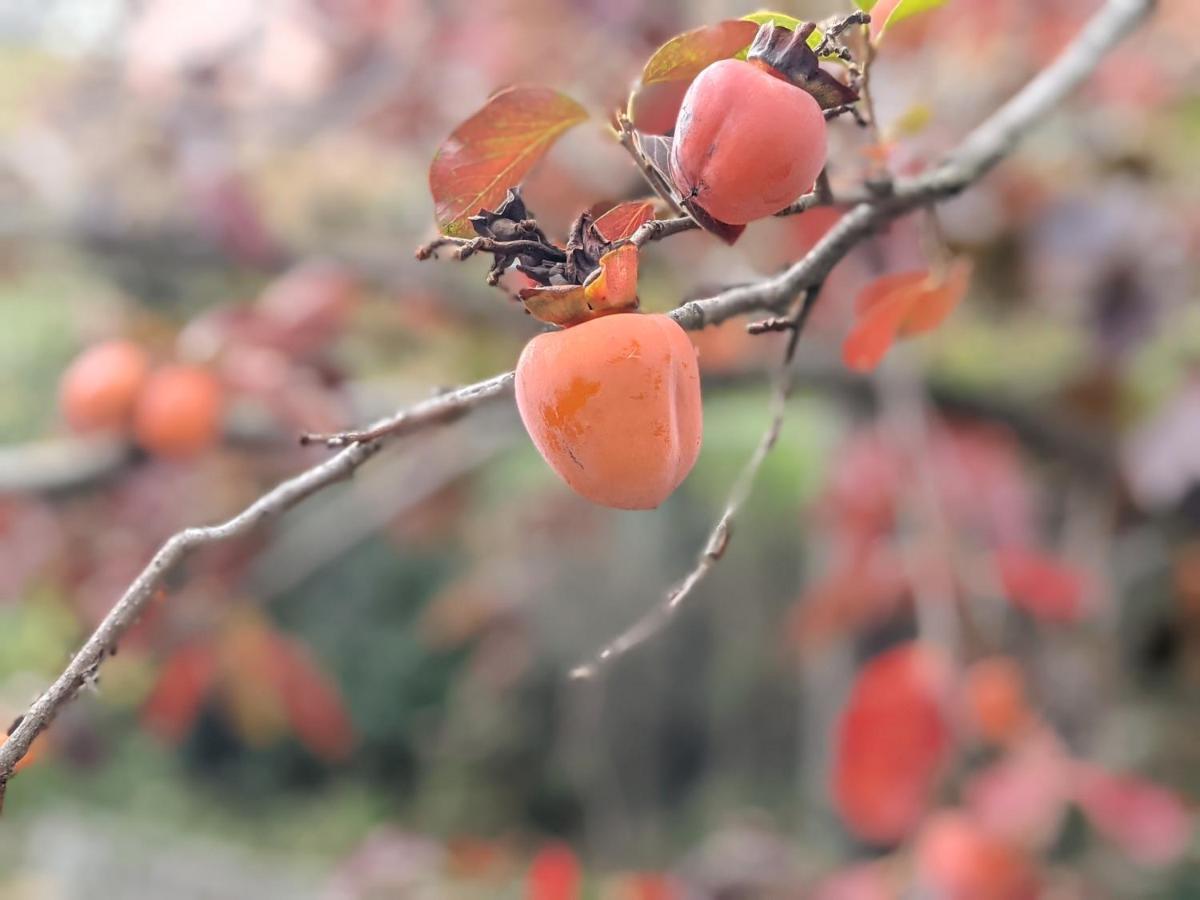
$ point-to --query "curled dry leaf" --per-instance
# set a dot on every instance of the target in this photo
(900, 305)
(494, 149)
(613, 287)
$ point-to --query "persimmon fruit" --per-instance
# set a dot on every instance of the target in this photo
(178, 413)
(747, 142)
(99, 388)
(613, 405)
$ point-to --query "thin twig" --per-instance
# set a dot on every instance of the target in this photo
(978, 153)
(661, 614)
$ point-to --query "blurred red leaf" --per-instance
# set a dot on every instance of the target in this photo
(958, 860)
(494, 149)
(900, 305)
(313, 703)
(1023, 797)
(891, 742)
(1043, 585)
(624, 219)
(655, 101)
(554, 874)
(862, 881)
(648, 886)
(178, 696)
(865, 587)
(1149, 823)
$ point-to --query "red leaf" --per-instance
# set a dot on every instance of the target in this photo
(624, 219)
(864, 587)
(958, 860)
(313, 703)
(1149, 823)
(648, 886)
(1023, 798)
(1045, 586)
(554, 874)
(900, 305)
(184, 682)
(891, 742)
(655, 101)
(494, 149)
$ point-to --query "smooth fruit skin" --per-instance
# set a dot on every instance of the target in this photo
(98, 390)
(613, 405)
(178, 414)
(747, 143)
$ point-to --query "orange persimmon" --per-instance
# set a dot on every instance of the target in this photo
(747, 143)
(613, 405)
(99, 388)
(178, 414)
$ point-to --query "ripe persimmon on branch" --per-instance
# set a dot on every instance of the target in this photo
(976, 155)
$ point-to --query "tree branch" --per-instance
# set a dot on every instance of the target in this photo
(978, 153)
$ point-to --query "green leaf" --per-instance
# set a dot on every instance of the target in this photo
(494, 149)
(906, 9)
(791, 23)
(865, 5)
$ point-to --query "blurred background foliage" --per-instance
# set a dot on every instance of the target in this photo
(369, 698)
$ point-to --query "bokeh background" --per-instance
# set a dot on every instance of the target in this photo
(369, 697)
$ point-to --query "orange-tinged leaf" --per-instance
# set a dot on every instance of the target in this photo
(624, 219)
(614, 288)
(686, 55)
(900, 305)
(656, 99)
(877, 328)
(177, 698)
(940, 299)
(494, 149)
(616, 285)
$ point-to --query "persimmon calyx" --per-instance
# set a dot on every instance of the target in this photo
(787, 55)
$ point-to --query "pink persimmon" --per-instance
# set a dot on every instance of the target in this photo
(747, 142)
